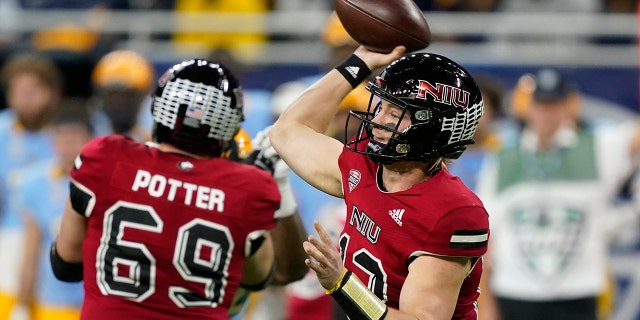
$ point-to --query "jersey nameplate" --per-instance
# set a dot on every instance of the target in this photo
(159, 186)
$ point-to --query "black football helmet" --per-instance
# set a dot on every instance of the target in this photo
(442, 99)
(198, 107)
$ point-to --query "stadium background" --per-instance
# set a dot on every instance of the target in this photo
(598, 51)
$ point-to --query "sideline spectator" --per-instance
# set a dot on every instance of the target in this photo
(551, 196)
(40, 196)
(34, 86)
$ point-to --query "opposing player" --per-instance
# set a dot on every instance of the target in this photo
(121, 81)
(169, 230)
(414, 235)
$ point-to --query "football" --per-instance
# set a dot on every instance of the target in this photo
(381, 25)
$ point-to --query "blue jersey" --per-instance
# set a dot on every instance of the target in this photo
(42, 193)
(6, 116)
(19, 148)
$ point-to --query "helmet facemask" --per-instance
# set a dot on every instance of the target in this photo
(384, 153)
(400, 145)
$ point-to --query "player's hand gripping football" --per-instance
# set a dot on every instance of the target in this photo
(376, 60)
(264, 156)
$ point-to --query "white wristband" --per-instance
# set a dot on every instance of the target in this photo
(288, 203)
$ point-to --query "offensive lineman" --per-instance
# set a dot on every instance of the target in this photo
(170, 230)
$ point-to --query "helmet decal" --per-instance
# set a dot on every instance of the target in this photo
(463, 125)
(443, 93)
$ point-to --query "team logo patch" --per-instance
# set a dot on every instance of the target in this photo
(549, 237)
(354, 179)
(185, 165)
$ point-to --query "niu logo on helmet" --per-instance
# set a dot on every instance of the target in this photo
(443, 93)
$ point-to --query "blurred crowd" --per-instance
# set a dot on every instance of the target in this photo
(560, 184)
(77, 45)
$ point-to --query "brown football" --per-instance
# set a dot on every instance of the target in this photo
(381, 25)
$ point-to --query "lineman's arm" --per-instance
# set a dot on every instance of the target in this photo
(289, 230)
(66, 251)
(257, 270)
(257, 274)
(298, 134)
(288, 237)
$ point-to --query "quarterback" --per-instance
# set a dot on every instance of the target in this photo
(414, 235)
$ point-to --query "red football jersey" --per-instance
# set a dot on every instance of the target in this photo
(167, 234)
(384, 231)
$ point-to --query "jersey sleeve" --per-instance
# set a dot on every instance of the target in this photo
(266, 200)
(462, 232)
(87, 173)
